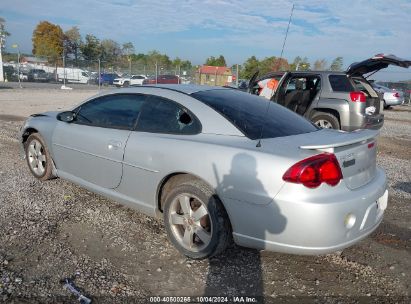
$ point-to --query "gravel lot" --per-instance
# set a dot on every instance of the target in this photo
(53, 230)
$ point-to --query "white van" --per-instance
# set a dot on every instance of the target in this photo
(73, 75)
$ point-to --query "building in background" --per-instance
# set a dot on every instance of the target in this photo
(33, 60)
(214, 75)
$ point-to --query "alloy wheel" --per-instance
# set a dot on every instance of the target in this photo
(190, 222)
(37, 157)
(325, 124)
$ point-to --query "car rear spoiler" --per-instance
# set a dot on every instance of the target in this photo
(339, 139)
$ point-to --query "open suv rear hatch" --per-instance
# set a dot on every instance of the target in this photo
(357, 71)
(376, 63)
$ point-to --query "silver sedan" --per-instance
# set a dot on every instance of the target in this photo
(218, 165)
(390, 97)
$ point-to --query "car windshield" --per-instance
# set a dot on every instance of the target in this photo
(251, 113)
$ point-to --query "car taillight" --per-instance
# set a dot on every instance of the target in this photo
(357, 96)
(396, 94)
(315, 170)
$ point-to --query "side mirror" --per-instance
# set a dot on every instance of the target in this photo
(67, 116)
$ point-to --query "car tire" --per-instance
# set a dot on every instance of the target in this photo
(126, 84)
(326, 120)
(38, 157)
(385, 106)
(196, 221)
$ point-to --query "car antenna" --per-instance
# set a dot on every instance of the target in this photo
(281, 56)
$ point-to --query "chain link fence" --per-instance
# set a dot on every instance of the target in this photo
(87, 71)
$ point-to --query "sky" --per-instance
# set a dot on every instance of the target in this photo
(195, 30)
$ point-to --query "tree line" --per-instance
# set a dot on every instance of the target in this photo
(51, 42)
(273, 64)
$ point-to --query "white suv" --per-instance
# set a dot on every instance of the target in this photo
(126, 81)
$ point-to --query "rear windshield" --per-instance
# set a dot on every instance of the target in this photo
(364, 86)
(340, 83)
(249, 114)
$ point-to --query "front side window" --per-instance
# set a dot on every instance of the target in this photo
(160, 115)
(112, 111)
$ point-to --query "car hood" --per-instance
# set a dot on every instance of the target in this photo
(378, 62)
(46, 114)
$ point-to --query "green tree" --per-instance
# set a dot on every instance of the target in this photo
(3, 27)
(295, 63)
(162, 60)
(304, 65)
(250, 66)
(48, 41)
(176, 62)
(220, 61)
(128, 49)
(72, 41)
(91, 48)
(3, 34)
(337, 64)
(186, 65)
(272, 64)
(320, 64)
(110, 51)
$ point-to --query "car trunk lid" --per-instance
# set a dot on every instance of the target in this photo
(355, 152)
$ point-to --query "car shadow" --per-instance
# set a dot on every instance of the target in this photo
(239, 271)
(403, 186)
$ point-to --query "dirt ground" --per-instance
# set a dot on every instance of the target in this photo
(53, 230)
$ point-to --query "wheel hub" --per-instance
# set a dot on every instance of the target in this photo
(190, 222)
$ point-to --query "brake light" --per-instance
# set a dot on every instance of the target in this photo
(396, 94)
(315, 170)
(357, 96)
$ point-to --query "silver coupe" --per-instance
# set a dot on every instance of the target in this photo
(218, 165)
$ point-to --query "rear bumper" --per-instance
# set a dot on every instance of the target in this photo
(394, 102)
(374, 121)
(298, 222)
(361, 121)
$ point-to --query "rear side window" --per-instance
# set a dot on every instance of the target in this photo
(160, 115)
(340, 83)
(249, 114)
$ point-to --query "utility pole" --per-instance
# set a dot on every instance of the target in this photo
(64, 66)
(2, 41)
(236, 76)
(129, 60)
(16, 46)
(156, 72)
(99, 74)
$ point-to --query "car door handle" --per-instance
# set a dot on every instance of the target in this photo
(114, 145)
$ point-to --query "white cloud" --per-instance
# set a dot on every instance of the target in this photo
(320, 29)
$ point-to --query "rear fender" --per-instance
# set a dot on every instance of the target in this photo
(340, 106)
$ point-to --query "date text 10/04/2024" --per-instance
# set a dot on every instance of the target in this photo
(203, 299)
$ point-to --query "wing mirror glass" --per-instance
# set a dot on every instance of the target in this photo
(67, 116)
